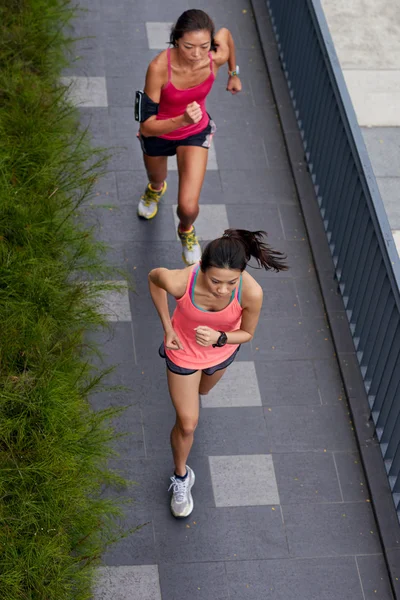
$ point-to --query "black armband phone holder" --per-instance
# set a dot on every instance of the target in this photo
(144, 106)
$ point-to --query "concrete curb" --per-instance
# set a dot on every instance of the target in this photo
(379, 490)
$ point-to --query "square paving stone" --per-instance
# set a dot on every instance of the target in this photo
(138, 547)
(325, 579)
(280, 297)
(238, 387)
(221, 431)
(248, 216)
(243, 480)
(115, 304)
(330, 529)
(128, 424)
(308, 428)
(202, 581)
(260, 186)
(212, 164)
(292, 221)
(309, 297)
(383, 145)
(211, 222)
(115, 344)
(330, 383)
(351, 477)
(230, 534)
(128, 583)
(158, 34)
(86, 91)
(305, 477)
(104, 191)
(97, 122)
(230, 155)
(287, 383)
(374, 577)
(389, 190)
(292, 338)
(120, 92)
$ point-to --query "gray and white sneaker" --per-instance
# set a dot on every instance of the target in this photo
(181, 499)
(191, 250)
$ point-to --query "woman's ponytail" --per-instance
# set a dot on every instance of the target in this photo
(235, 249)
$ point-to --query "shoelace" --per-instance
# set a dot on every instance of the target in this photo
(150, 196)
(179, 488)
(190, 239)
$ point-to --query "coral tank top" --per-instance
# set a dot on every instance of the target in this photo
(187, 316)
(173, 103)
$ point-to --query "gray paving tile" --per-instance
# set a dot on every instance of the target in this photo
(129, 425)
(122, 32)
(121, 223)
(291, 338)
(330, 529)
(234, 121)
(132, 63)
(287, 383)
(126, 10)
(308, 429)
(115, 344)
(243, 480)
(104, 190)
(96, 120)
(351, 476)
(322, 578)
(128, 583)
(148, 334)
(120, 91)
(211, 222)
(158, 34)
(221, 431)
(248, 216)
(230, 534)
(115, 304)
(138, 547)
(292, 222)
(374, 577)
(238, 387)
(219, 95)
(383, 145)
(152, 480)
(309, 297)
(86, 57)
(261, 186)
(86, 91)
(198, 580)
(306, 477)
(238, 153)
(280, 297)
(329, 381)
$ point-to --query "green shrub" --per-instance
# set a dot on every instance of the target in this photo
(54, 523)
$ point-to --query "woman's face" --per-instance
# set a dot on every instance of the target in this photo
(221, 282)
(195, 45)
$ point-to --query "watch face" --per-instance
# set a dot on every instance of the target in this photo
(222, 339)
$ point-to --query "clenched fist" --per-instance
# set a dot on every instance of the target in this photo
(193, 114)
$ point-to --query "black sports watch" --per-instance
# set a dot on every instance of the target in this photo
(223, 338)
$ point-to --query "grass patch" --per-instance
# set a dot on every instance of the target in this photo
(54, 523)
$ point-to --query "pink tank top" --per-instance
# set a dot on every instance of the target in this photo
(173, 103)
(187, 316)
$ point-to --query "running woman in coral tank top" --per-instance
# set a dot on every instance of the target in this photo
(218, 307)
(179, 80)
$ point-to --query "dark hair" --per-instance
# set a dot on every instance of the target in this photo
(236, 247)
(192, 20)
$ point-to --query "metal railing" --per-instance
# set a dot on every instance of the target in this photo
(357, 228)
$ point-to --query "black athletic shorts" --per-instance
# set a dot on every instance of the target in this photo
(156, 146)
(209, 371)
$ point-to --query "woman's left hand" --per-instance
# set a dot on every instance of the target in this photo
(234, 85)
(205, 336)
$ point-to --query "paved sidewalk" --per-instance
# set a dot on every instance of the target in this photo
(366, 34)
(281, 506)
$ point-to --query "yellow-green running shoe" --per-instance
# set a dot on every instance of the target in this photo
(190, 245)
(148, 203)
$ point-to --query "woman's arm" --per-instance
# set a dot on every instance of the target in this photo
(226, 53)
(155, 79)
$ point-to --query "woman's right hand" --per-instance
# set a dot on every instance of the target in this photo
(172, 341)
(193, 114)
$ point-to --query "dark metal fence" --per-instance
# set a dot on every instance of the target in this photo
(357, 228)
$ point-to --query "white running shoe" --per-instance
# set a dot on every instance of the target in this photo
(148, 203)
(191, 250)
(181, 499)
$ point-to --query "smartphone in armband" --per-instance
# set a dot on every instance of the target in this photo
(144, 106)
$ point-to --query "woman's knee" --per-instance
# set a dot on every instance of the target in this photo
(188, 210)
(187, 426)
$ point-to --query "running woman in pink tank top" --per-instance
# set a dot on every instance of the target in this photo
(179, 80)
(218, 305)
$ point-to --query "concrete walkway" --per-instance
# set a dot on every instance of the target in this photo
(366, 34)
(281, 506)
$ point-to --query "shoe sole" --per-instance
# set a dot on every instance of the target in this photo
(191, 502)
(156, 209)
